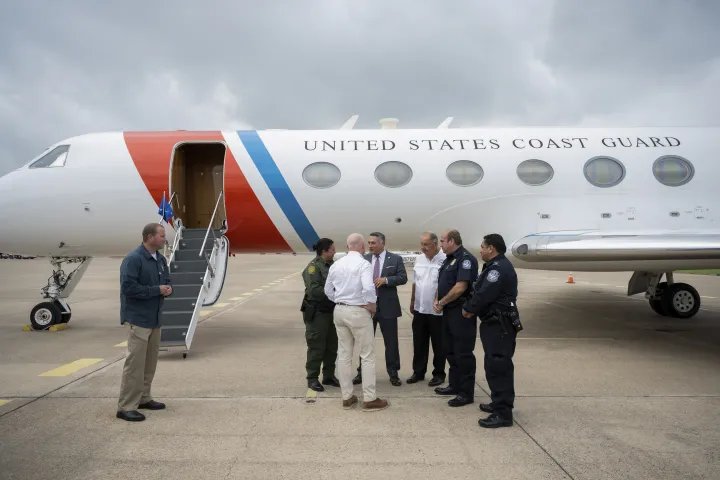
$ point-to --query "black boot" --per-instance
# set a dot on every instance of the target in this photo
(131, 416)
(332, 381)
(494, 421)
(315, 385)
(445, 390)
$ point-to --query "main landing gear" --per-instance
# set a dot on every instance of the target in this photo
(55, 310)
(668, 298)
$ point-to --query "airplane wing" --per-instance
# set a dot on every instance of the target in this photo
(618, 246)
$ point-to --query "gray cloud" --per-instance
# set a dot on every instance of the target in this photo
(71, 68)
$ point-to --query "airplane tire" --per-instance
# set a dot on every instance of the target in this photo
(680, 300)
(44, 315)
(657, 307)
(65, 317)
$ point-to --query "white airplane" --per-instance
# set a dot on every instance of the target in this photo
(640, 200)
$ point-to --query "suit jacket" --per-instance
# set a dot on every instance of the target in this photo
(388, 303)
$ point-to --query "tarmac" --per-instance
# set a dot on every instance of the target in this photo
(606, 389)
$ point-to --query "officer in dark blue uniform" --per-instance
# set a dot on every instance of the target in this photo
(494, 302)
(455, 280)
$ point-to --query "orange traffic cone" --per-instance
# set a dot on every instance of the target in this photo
(570, 278)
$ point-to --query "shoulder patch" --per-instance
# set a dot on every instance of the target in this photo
(466, 264)
(311, 269)
(493, 276)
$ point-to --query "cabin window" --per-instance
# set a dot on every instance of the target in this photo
(673, 171)
(535, 172)
(54, 158)
(464, 173)
(604, 172)
(393, 174)
(321, 175)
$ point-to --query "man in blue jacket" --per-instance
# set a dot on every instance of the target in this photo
(144, 284)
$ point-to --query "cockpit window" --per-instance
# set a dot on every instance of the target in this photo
(54, 158)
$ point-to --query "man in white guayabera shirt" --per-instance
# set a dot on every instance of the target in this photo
(350, 285)
(426, 323)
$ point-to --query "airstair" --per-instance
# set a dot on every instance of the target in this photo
(198, 265)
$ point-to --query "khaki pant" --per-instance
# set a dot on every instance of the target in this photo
(354, 324)
(143, 346)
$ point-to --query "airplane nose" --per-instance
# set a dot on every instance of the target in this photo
(9, 223)
(4, 190)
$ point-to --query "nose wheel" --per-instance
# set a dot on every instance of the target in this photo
(46, 314)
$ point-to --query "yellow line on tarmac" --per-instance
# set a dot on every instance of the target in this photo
(220, 305)
(123, 344)
(71, 367)
(4, 402)
(258, 290)
(310, 396)
(248, 293)
(205, 312)
(235, 299)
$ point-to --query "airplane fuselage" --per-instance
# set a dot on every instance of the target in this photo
(111, 184)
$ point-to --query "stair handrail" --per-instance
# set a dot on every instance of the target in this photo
(212, 219)
(174, 218)
(176, 241)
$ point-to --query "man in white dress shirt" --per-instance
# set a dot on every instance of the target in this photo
(350, 285)
(427, 323)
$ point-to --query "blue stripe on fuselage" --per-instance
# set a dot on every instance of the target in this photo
(278, 186)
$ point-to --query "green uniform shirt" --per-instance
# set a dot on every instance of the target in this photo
(314, 276)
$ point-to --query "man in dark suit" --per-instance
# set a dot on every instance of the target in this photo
(388, 273)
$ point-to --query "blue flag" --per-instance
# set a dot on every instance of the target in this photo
(165, 209)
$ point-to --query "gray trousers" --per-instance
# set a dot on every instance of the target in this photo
(143, 345)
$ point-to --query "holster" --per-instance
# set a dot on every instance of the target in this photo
(495, 316)
(513, 316)
(308, 310)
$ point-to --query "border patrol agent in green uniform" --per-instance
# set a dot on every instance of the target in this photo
(320, 333)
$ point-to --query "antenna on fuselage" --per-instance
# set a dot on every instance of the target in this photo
(446, 123)
(350, 123)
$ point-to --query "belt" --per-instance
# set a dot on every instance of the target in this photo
(348, 305)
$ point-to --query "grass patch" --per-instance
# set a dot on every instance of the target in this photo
(701, 272)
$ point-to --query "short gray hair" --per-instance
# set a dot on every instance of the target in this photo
(432, 236)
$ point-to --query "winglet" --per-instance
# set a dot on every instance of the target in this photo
(350, 123)
(446, 122)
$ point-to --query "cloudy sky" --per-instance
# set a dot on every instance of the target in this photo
(80, 66)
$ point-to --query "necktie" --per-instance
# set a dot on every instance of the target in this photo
(376, 270)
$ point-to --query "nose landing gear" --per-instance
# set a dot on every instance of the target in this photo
(55, 310)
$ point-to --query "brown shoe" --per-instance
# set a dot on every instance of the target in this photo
(375, 405)
(350, 402)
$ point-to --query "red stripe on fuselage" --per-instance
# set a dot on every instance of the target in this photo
(250, 229)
